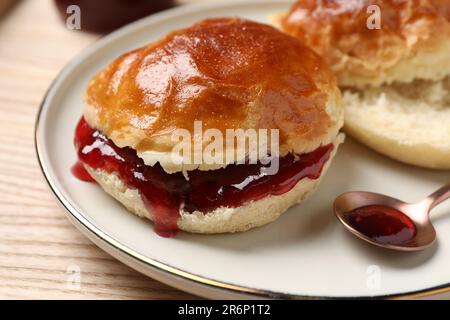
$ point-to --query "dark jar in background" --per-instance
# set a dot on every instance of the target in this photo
(106, 15)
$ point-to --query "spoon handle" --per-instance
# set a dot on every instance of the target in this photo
(439, 196)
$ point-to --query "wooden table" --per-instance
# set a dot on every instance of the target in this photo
(39, 248)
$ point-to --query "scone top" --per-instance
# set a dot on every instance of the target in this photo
(374, 42)
(226, 73)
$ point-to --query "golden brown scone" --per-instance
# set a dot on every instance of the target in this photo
(227, 73)
(395, 80)
(412, 43)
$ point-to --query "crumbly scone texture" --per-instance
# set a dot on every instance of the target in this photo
(222, 220)
(395, 80)
(413, 41)
(407, 122)
(228, 73)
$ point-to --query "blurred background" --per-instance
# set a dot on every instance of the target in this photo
(42, 256)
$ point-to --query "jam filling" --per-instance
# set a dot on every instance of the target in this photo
(382, 224)
(164, 194)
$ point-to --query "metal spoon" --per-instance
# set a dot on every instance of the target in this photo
(417, 212)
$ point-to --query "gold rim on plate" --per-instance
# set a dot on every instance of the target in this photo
(80, 221)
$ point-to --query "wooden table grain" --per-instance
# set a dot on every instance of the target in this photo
(40, 251)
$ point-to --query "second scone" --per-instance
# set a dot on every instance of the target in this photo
(392, 61)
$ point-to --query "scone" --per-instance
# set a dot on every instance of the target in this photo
(217, 77)
(392, 61)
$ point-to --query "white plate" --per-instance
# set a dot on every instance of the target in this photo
(306, 253)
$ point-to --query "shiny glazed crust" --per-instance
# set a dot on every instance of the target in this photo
(227, 73)
(413, 42)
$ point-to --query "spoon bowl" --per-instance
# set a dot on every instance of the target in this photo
(425, 233)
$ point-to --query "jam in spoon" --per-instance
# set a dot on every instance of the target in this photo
(388, 222)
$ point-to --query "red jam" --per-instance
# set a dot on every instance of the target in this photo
(164, 193)
(81, 173)
(382, 224)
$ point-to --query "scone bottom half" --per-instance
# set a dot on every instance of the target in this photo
(167, 197)
(228, 74)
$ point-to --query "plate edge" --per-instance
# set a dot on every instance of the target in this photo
(80, 221)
